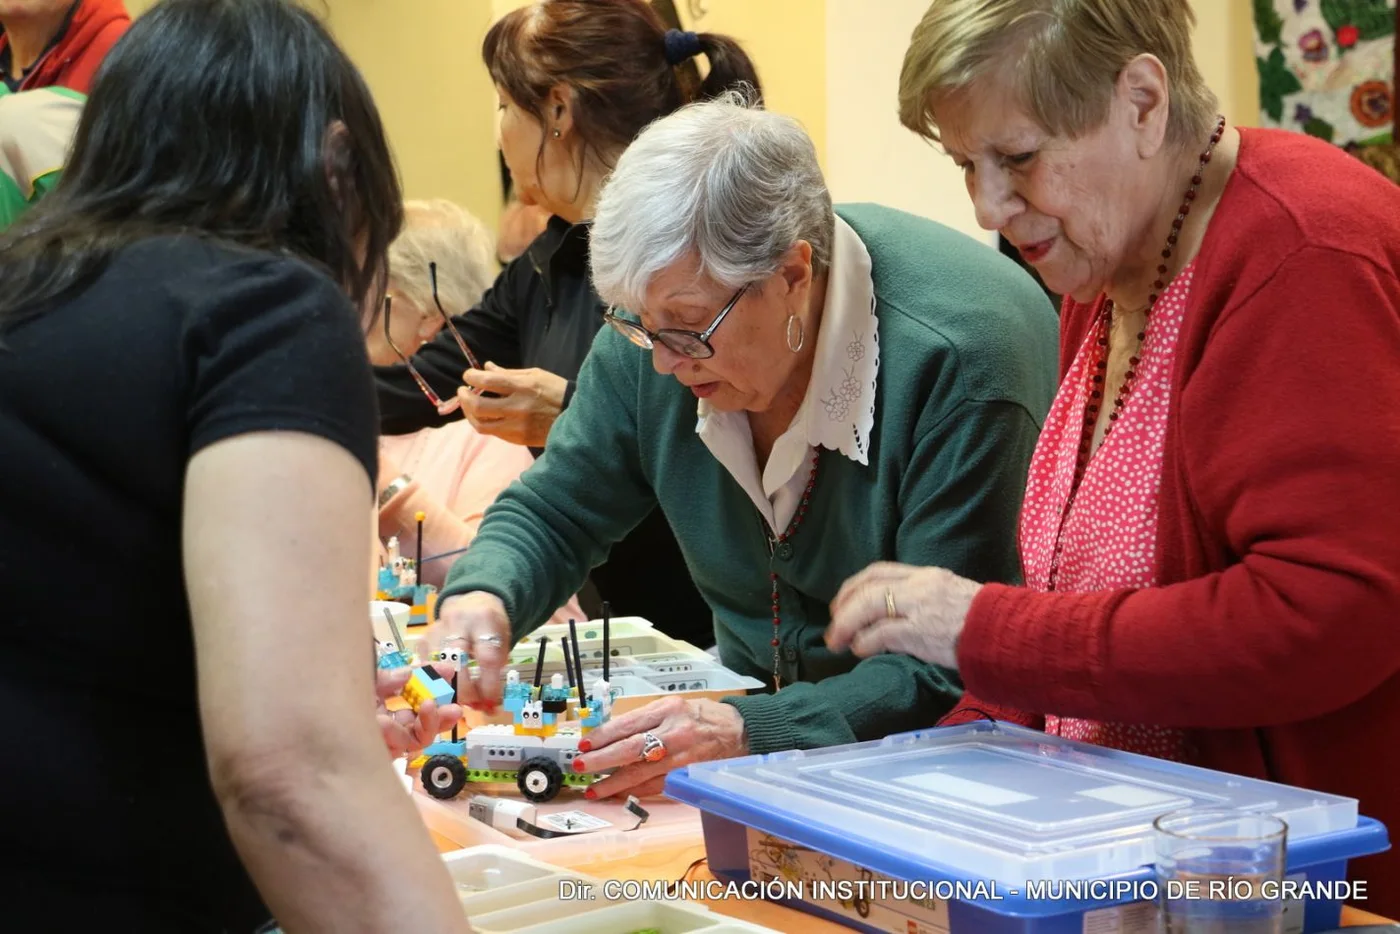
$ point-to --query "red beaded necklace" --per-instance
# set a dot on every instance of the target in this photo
(780, 541)
(1094, 401)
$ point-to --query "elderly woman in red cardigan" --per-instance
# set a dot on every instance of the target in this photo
(1211, 530)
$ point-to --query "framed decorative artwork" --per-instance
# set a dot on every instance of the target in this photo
(1327, 68)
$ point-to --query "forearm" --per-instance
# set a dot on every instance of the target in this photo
(1228, 650)
(880, 696)
(334, 844)
(971, 709)
(443, 531)
(520, 558)
(546, 531)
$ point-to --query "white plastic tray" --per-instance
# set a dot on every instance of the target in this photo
(645, 665)
(506, 892)
(671, 828)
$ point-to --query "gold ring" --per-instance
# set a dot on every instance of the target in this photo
(890, 610)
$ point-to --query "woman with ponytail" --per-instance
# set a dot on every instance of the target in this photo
(577, 80)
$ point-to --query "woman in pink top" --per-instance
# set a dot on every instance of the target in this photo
(450, 474)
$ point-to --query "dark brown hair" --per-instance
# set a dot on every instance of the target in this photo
(613, 55)
(235, 120)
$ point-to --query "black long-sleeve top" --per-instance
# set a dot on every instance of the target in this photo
(542, 312)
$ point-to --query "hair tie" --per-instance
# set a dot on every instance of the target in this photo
(681, 46)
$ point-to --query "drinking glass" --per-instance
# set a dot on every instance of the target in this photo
(1219, 871)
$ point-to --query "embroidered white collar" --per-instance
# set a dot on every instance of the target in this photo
(838, 410)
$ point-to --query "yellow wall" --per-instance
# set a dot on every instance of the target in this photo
(1224, 44)
(424, 66)
(829, 63)
(787, 41)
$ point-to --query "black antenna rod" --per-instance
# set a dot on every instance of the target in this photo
(455, 674)
(539, 662)
(578, 659)
(607, 611)
(568, 663)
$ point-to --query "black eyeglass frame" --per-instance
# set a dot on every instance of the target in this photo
(692, 343)
(427, 390)
(412, 370)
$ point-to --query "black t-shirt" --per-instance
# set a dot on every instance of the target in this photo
(109, 819)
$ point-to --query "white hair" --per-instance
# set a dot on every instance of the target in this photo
(736, 185)
(442, 232)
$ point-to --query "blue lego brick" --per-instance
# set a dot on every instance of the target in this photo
(394, 660)
(444, 747)
(433, 685)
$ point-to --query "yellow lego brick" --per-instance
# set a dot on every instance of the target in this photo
(414, 695)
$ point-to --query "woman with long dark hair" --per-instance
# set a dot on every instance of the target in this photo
(187, 420)
(577, 81)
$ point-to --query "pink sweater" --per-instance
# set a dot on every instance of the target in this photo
(457, 472)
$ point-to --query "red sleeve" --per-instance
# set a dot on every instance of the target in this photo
(78, 76)
(970, 710)
(1290, 433)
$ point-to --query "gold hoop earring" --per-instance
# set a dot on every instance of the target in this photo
(801, 333)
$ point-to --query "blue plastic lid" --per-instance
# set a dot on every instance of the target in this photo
(995, 802)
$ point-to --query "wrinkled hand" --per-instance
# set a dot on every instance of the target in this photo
(464, 619)
(529, 402)
(693, 731)
(931, 606)
(404, 732)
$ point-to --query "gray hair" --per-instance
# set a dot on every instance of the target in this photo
(442, 232)
(736, 184)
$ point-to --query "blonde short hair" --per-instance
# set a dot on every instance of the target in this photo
(1065, 56)
(439, 231)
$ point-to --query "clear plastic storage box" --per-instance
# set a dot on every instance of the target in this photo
(1004, 829)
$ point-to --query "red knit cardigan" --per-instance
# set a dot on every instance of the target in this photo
(1273, 637)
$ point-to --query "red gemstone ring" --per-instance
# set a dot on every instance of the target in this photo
(653, 749)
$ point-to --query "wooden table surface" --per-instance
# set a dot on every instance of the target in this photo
(674, 862)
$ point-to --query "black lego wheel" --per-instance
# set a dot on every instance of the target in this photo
(540, 779)
(444, 777)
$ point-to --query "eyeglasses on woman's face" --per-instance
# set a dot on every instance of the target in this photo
(692, 344)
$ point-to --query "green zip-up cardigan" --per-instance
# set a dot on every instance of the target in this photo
(967, 370)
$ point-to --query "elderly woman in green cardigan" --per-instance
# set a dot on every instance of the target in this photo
(804, 392)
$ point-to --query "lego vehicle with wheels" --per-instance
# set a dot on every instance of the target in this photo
(540, 767)
(534, 752)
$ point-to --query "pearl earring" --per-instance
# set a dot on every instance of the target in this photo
(556, 134)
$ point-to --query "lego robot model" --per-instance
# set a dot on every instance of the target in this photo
(536, 752)
(424, 683)
(399, 582)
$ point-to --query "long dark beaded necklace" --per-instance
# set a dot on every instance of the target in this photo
(774, 543)
(1094, 402)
